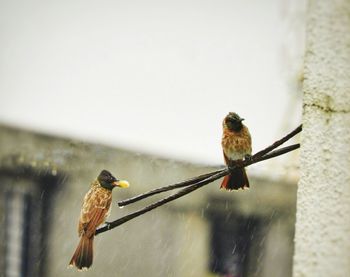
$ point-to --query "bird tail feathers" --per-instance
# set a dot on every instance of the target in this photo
(235, 180)
(83, 255)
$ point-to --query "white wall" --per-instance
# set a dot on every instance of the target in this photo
(322, 240)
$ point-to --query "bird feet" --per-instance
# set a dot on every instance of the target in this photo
(232, 166)
(108, 224)
(248, 157)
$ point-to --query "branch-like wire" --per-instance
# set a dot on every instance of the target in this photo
(159, 203)
(188, 182)
(194, 180)
(216, 175)
(279, 152)
(279, 142)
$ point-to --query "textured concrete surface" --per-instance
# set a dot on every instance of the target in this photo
(322, 241)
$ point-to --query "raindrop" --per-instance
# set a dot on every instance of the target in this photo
(234, 249)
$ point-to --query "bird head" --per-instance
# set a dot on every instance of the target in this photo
(233, 122)
(108, 181)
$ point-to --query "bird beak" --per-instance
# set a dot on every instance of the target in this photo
(241, 119)
(121, 184)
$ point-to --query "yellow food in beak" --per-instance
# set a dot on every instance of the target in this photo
(122, 184)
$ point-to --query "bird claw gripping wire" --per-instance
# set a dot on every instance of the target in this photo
(248, 157)
(108, 225)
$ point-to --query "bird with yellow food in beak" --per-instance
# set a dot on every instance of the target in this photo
(94, 212)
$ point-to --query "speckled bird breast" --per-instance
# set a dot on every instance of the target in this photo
(236, 144)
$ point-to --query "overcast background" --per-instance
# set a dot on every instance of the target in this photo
(152, 76)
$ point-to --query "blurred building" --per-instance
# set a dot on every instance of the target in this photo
(207, 233)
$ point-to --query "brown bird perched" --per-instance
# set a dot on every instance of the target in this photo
(236, 145)
(94, 211)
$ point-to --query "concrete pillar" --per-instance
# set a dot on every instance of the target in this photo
(322, 239)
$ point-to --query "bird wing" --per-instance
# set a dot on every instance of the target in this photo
(226, 159)
(94, 211)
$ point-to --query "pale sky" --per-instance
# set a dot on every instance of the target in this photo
(151, 76)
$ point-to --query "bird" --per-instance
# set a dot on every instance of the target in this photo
(236, 145)
(94, 212)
